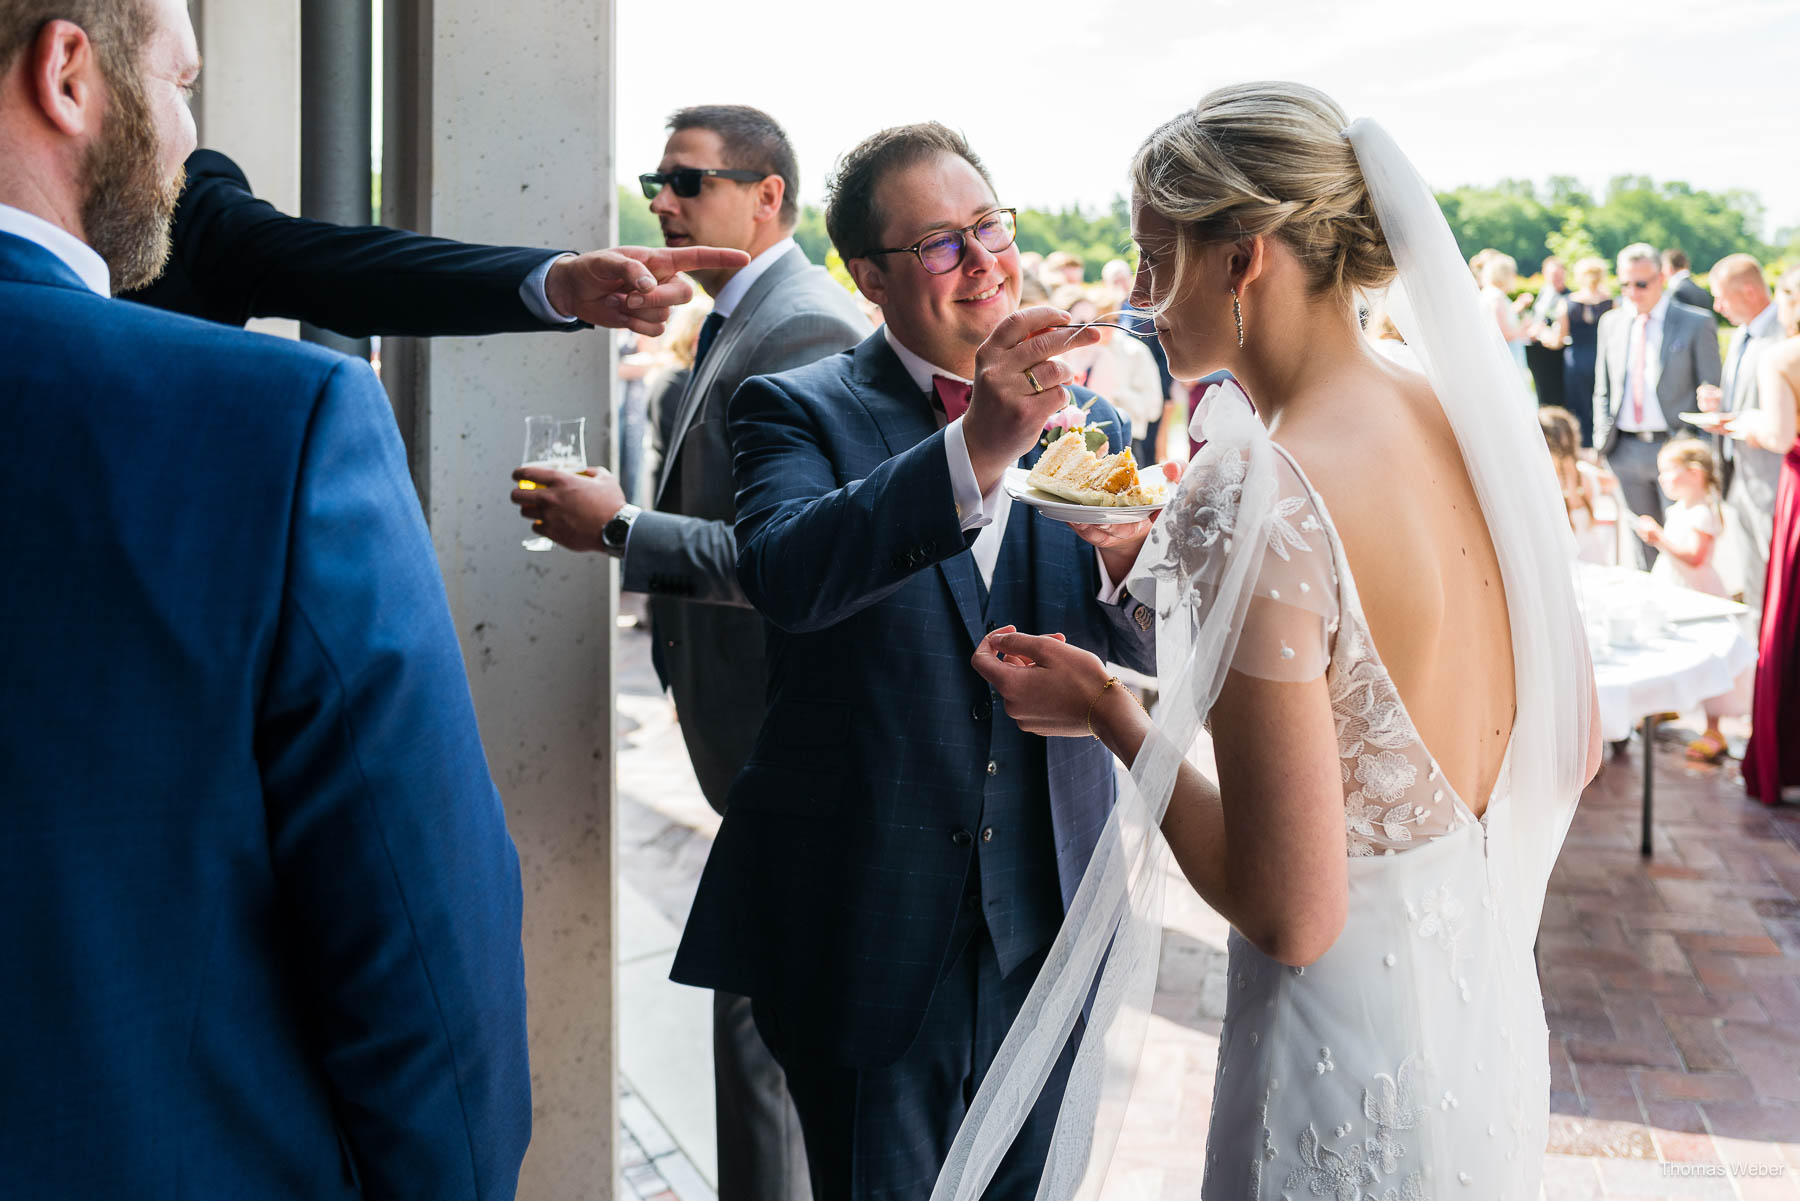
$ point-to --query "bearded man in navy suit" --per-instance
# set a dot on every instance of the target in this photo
(259, 911)
(896, 856)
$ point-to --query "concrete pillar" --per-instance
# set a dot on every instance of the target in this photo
(249, 101)
(499, 129)
(336, 115)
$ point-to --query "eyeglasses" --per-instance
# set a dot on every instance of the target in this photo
(1639, 284)
(686, 180)
(942, 251)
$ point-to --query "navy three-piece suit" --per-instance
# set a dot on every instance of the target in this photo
(259, 911)
(896, 856)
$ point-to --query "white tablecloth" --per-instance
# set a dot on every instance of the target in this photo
(1673, 670)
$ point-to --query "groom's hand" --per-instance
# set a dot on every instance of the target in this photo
(1008, 408)
(631, 287)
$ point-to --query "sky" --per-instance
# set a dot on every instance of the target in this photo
(1060, 96)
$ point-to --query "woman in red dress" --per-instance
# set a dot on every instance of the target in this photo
(1772, 760)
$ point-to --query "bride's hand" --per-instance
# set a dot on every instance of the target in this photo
(1047, 686)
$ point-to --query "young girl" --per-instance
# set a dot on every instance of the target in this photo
(1586, 490)
(1688, 477)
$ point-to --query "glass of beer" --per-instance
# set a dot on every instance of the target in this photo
(559, 442)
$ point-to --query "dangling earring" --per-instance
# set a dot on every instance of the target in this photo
(1237, 314)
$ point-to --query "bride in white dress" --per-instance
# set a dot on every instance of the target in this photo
(1364, 591)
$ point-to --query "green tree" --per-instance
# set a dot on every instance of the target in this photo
(1707, 225)
(636, 226)
(1508, 217)
(1572, 242)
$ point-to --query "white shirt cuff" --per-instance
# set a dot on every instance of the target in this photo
(531, 292)
(1110, 593)
(973, 510)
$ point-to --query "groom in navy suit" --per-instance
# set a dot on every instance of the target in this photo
(259, 911)
(896, 856)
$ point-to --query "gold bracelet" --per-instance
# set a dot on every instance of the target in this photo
(1110, 681)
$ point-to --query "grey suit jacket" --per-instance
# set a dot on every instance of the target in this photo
(1756, 473)
(1689, 358)
(709, 642)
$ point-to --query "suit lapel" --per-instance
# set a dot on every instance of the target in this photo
(724, 346)
(904, 419)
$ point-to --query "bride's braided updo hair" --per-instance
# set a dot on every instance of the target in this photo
(1269, 159)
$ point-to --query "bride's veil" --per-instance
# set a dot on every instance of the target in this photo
(1102, 965)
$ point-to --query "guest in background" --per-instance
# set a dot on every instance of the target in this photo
(1581, 313)
(1499, 272)
(1584, 488)
(728, 176)
(1752, 472)
(1680, 281)
(1118, 366)
(667, 380)
(1385, 336)
(1653, 356)
(636, 355)
(1118, 276)
(1479, 260)
(1544, 352)
(1688, 475)
(1772, 760)
(1063, 267)
(1032, 290)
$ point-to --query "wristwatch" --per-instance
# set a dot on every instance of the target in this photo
(614, 533)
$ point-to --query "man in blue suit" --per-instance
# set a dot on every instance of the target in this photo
(896, 856)
(259, 911)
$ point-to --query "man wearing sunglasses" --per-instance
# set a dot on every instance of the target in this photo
(896, 856)
(727, 179)
(1654, 354)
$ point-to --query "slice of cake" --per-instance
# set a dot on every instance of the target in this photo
(1070, 470)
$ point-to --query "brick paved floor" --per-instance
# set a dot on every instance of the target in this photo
(1672, 985)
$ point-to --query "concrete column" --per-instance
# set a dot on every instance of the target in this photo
(249, 101)
(499, 129)
(336, 115)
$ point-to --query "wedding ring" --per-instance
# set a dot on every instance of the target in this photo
(1032, 380)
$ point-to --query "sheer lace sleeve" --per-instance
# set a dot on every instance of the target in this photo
(1245, 534)
(1293, 608)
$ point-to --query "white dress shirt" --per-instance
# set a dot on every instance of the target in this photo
(1652, 333)
(77, 255)
(739, 285)
(975, 511)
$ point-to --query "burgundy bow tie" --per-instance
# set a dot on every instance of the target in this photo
(953, 394)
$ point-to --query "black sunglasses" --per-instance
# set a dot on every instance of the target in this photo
(1639, 284)
(686, 180)
(942, 251)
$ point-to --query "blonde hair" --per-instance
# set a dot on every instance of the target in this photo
(1499, 269)
(1691, 452)
(1594, 267)
(684, 330)
(1266, 159)
(1789, 282)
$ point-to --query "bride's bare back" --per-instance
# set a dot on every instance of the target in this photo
(1378, 448)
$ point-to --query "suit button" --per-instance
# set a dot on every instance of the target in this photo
(962, 838)
(987, 834)
(993, 768)
(982, 711)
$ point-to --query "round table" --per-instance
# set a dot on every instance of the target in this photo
(1696, 654)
